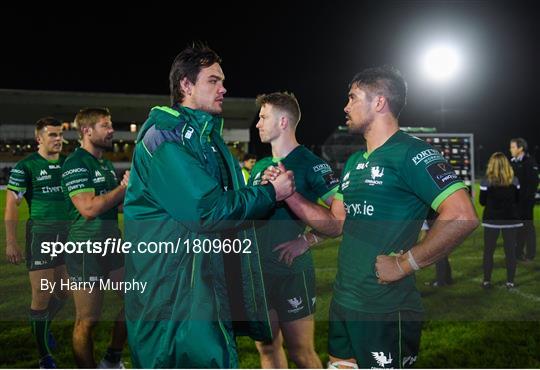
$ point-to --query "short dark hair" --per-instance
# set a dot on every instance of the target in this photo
(188, 64)
(520, 143)
(284, 101)
(249, 156)
(46, 121)
(386, 81)
(88, 117)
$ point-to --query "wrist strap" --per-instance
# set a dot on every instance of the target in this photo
(399, 266)
(412, 262)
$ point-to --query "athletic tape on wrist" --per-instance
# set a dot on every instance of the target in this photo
(399, 266)
(412, 262)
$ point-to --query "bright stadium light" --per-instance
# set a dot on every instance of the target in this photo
(441, 63)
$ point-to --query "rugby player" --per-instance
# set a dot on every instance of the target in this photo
(37, 179)
(92, 196)
(384, 196)
(288, 271)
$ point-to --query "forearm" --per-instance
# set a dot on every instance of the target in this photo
(11, 218)
(441, 239)
(230, 209)
(100, 204)
(319, 218)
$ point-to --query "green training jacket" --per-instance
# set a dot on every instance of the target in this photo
(185, 187)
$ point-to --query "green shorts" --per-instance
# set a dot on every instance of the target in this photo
(35, 260)
(389, 340)
(292, 296)
(92, 267)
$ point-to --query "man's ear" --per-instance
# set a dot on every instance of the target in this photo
(85, 130)
(186, 86)
(380, 103)
(284, 122)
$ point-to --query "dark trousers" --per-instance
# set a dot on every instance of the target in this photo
(443, 271)
(490, 243)
(526, 236)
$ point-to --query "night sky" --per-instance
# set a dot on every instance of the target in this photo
(310, 49)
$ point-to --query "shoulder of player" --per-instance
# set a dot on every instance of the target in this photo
(75, 160)
(261, 165)
(416, 150)
(73, 157)
(167, 129)
(354, 158)
(32, 157)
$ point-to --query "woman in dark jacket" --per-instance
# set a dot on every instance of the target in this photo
(499, 194)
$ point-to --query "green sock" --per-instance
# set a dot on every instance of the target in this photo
(39, 320)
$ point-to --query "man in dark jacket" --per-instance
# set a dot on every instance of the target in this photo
(526, 170)
(188, 195)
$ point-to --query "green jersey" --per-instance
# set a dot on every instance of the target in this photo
(387, 194)
(315, 180)
(38, 180)
(82, 172)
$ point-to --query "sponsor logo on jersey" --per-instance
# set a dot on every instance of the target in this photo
(330, 180)
(426, 156)
(51, 189)
(346, 182)
(382, 359)
(54, 167)
(442, 174)
(376, 173)
(323, 167)
(43, 175)
(359, 209)
(74, 170)
(362, 166)
(99, 178)
(295, 304)
(14, 170)
(257, 179)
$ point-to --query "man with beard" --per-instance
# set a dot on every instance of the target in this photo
(92, 193)
(384, 196)
(37, 178)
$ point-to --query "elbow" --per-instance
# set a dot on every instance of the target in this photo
(336, 229)
(470, 219)
(88, 214)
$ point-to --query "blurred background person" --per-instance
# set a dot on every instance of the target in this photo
(526, 170)
(247, 165)
(499, 194)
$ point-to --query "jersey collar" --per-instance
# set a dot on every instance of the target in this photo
(204, 122)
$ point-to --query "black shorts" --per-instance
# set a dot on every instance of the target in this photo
(389, 340)
(292, 296)
(35, 259)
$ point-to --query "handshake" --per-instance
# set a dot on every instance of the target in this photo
(281, 179)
